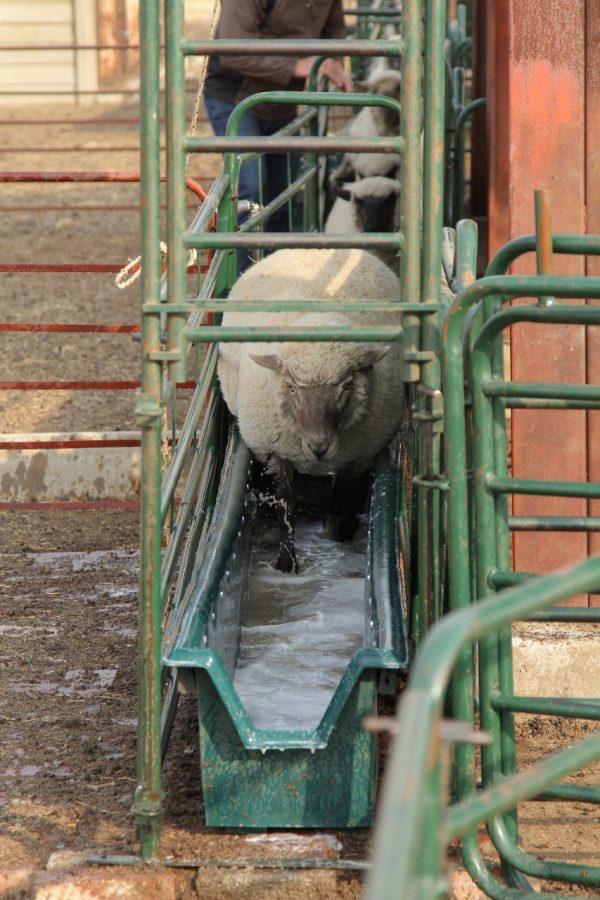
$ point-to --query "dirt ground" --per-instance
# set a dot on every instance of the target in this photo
(68, 579)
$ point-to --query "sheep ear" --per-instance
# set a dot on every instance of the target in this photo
(268, 360)
(344, 193)
(370, 357)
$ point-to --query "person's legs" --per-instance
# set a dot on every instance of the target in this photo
(249, 185)
(282, 169)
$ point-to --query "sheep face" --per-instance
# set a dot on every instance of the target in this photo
(375, 202)
(320, 411)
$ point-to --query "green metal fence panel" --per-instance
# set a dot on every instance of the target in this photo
(402, 867)
(174, 322)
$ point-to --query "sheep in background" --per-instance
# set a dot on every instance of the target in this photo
(373, 121)
(371, 204)
(315, 408)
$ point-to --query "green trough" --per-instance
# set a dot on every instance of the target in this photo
(256, 778)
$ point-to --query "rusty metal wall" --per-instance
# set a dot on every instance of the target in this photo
(542, 81)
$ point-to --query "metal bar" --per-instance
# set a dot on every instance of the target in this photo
(175, 100)
(5, 47)
(84, 329)
(429, 444)
(411, 177)
(220, 333)
(554, 523)
(72, 149)
(336, 144)
(401, 817)
(69, 444)
(465, 817)
(188, 432)
(72, 504)
(537, 486)
(543, 239)
(68, 385)
(210, 305)
(530, 389)
(267, 239)
(577, 708)
(68, 177)
(299, 48)
(392, 12)
(149, 413)
(62, 268)
(462, 119)
(568, 614)
(583, 244)
(572, 793)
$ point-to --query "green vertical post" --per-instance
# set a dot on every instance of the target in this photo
(458, 533)
(149, 416)
(543, 239)
(411, 174)
(176, 221)
(433, 197)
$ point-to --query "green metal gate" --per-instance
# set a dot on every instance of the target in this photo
(179, 332)
(478, 670)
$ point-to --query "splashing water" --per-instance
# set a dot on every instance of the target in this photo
(300, 631)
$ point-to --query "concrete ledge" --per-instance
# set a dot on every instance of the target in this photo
(70, 473)
(552, 659)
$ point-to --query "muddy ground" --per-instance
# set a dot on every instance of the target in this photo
(68, 579)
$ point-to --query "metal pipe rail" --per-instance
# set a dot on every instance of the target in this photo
(413, 828)
(483, 568)
(299, 48)
(151, 406)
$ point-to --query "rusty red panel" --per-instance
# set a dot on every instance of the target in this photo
(497, 92)
(539, 142)
(592, 118)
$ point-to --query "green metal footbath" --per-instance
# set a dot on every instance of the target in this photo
(322, 776)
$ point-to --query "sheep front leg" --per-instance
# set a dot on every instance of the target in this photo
(285, 496)
(347, 502)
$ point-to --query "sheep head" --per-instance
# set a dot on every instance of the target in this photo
(375, 202)
(321, 409)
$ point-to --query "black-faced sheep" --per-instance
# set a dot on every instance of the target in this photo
(370, 204)
(314, 407)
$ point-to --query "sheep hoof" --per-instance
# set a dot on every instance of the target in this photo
(286, 561)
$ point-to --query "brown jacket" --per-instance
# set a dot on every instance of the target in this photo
(236, 77)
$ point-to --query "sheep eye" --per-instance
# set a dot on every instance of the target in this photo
(348, 383)
(291, 389)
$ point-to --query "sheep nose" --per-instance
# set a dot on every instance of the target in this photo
(318, 448)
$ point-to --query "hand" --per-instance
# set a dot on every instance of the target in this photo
(331, 68)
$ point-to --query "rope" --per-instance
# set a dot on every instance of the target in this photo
(202, 79)
(132, 271)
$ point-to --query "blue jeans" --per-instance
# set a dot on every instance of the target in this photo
(271, 170)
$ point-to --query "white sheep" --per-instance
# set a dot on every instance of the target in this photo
(314, 407)
(370, 204)
(373, 121)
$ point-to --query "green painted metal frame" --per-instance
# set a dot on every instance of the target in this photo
(415, 825)
(255, 778)
(489, 521)
(182, 318)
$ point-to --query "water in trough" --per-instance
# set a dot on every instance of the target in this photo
(300, 631)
